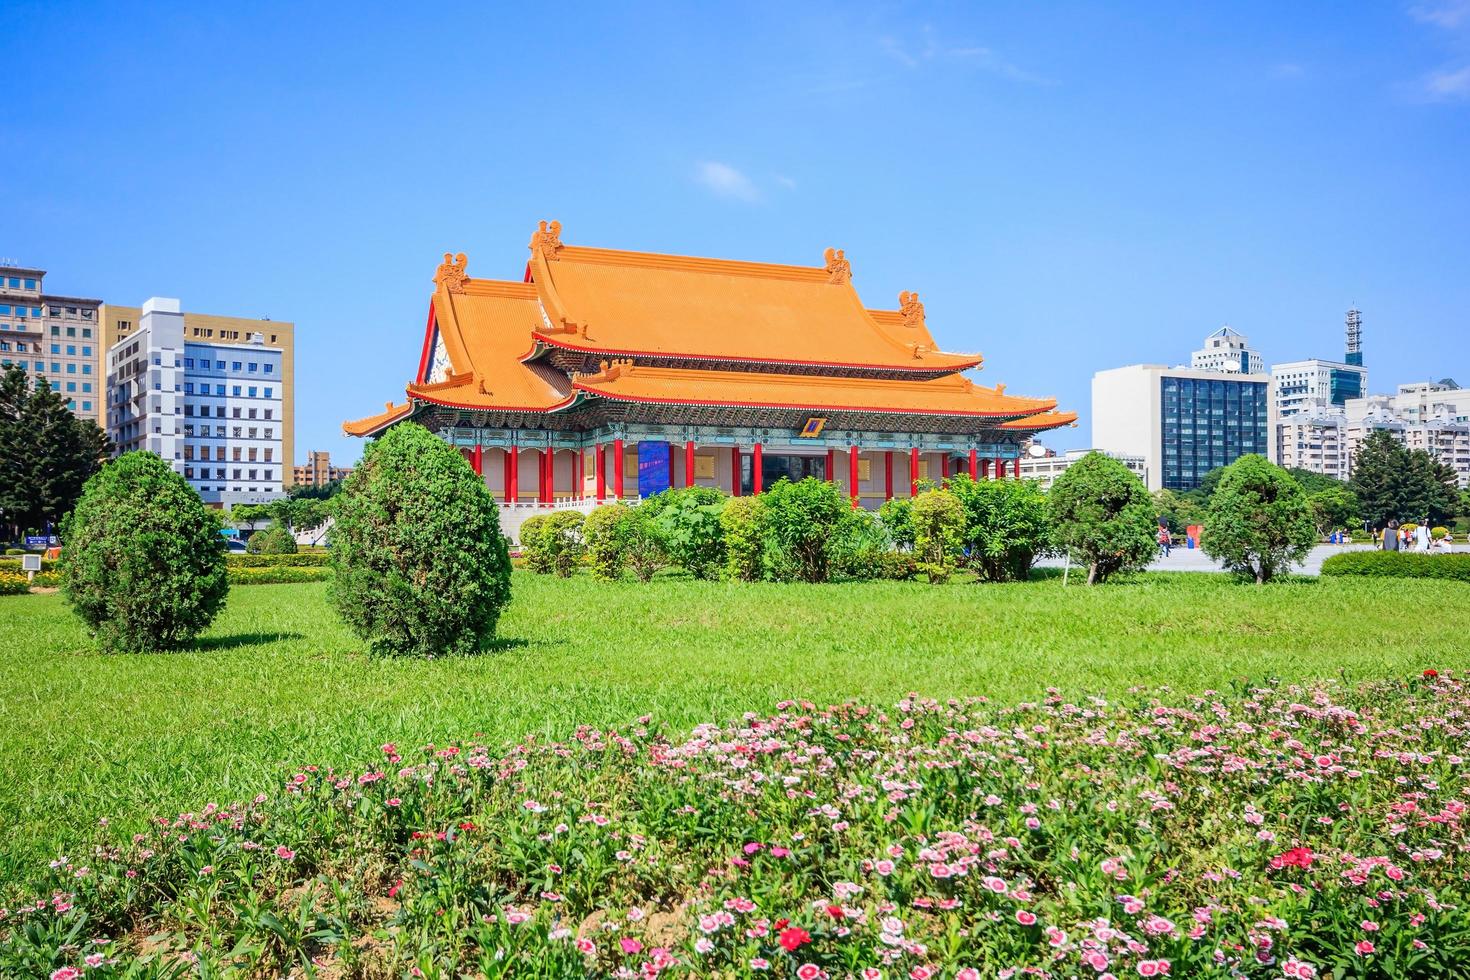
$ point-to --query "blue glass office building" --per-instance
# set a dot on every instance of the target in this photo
(1207, 423)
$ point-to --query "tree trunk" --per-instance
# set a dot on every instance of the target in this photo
(1092, 574)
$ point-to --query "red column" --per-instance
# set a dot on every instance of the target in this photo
(985, 469)
(617, 469)
(734, 471)
(601, 473)
(1016, 467)
(852, 473)
(755, 466)
(914, 471)
(671, 466)
(944, 466)
(477, 460)
(888, 474)
(974, 464)
(507, 476)
(831, 466)
(689, 463)
(1000, 468)
(546, 476)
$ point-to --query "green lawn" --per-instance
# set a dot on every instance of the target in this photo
(278, 683)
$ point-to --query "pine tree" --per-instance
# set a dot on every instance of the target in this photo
(47, 454)
(1381, 479)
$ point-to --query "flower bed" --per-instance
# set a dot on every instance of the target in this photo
(1269, 833)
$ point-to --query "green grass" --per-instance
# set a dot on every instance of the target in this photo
(278, 683)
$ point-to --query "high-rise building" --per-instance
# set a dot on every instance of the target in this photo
(1429, 415)
(213, 408)
(1315, 439)
(204, 328)
(1184, 422)
(1227, 351)
(1307, 399)
(318, 470)
(58, 338)
(1298, 386)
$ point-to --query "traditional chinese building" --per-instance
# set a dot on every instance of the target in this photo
(609, 374)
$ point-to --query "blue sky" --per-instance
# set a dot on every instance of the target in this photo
(1068, 186)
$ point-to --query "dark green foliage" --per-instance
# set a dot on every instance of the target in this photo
(562, 540)
(645, 545)
(806, 523)
(939, 533)
(742, 521)
(1391, 481)
(420, 565)
(606, 532)
(1178, 510)
(1006, 526)
(1103, 517)
(274, 540)
(143, 565)
(47, 454)
(1334, 508)
(688, 524)
(1258, 522)
(897, 516)
(1313, 483)
(1399, 564)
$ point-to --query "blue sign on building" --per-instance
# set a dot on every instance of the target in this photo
(653, 468)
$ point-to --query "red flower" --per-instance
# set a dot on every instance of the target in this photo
(1297, 857)
(782, 923)
(1431, 674)
(393, 892)
(835, 911)
(794, 939)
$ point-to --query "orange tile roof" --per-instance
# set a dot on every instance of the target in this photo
(951, 395)
(1040, 422)
(606, 301)
(373, 423)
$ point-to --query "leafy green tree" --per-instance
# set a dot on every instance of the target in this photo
(897, 516)
(1311, 482)
(47, 454)
(274, 540)
(939, 533)
(688, 522)
(143, 563)
(806, 522)
(1259, 522)
(1103, 517)
(743, 522)
(1435, 488)
(1006, 526)
(1334, 508)
(606, 532)
(1178, 510)
(1209, 482)
(421, 567)
(645, 545)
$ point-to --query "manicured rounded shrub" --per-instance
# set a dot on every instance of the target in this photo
(1399, 564)
(420, 566)
(605, 532)
(536, 557)
(1258, 522)
(1006, 527)
(805, 522)
(563, 541)
(143, 564)
(274, 540)
(278, 574)
(939, 528)
(688, 524)
(743, 522)
(1102, 516)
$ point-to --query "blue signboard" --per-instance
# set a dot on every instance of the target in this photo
(41, 540)
(653, 468)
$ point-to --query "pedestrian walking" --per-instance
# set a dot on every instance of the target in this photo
(1166, 541)
(1391, 536)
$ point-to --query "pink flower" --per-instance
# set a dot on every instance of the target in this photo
(1153, 968)
(808, 971)
(1369, 925)
(586, 947)
(66, 973)
(1025, 918)
(967, 973)
(884, 867)
(760, 964)
(630, 946)
(1365, 948)
(285, 853)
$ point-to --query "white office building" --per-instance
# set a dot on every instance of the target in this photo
(1227, 351)
(1429, 415)
(212, 410)
(1314, 438)
(1298, 386)
(1047, 467)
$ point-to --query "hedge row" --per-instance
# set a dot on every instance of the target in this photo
(13, 565)
(1399, 564)
(278, 575)
(300, 558)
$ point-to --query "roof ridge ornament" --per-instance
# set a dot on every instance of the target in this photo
(911, 309)
(839, 270)
(546, 239)
(607, 370)
(451, 274)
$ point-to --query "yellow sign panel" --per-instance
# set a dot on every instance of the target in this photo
(865, 469)
(704, 467)
(812, 429)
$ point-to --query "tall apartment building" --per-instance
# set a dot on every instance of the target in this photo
(1316, 439)
(318, 470)
(58, 338)
(214, 409)
(1183, 422)
(1429, 415)
(119, 322)
(1227, 351)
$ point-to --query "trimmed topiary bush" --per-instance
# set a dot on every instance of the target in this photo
(743, 522)
(420, 565)
(1258, 522)
(605, 533)
(300, 559)
(274, 540)
(1103, 517)
(279, 574)
(1005, 526)
(939, 530)
(1399, 564)
(805, 524)
(537, 558)
(143, 564)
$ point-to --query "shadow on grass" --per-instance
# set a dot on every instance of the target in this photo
(237, 640)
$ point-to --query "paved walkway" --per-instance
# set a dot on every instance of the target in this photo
(1194, 560)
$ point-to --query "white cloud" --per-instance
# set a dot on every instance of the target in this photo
(1448, 14)
(1448, 85)
(725, 181)
(786, 182)
(927, 47)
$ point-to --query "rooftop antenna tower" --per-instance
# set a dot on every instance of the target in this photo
(1355, 336)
